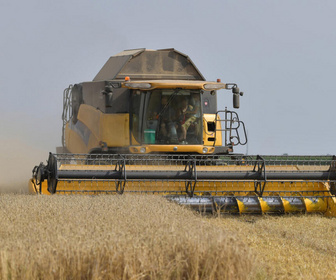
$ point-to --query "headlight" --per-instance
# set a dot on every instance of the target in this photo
(143, 150)
(138, 85)
(213, 86)
(205, 150)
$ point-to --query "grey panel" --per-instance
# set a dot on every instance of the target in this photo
(143, 64)
(92, 94)
(160, 65)
(111, 68)
(132, 52)
(120, 101)
(209, 102)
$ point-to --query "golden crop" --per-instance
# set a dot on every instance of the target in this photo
(113, 237)
(147, 237)
(287, 247)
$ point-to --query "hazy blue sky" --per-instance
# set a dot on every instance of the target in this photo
(280, 53)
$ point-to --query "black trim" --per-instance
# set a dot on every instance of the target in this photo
(110, 150)
(222, 150)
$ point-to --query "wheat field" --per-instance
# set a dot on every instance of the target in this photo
(147, 237)
(113, 237)
(287, 247)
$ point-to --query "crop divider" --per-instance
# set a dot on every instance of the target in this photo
(259, 185)
(121, 168)
(190, 184)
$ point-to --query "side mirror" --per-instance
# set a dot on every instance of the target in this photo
(236, 94)
(236, 97)
(108, 92)
(236, 100)
(108, 99)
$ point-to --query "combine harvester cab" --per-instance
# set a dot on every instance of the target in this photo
(148, 124)
(144, 101)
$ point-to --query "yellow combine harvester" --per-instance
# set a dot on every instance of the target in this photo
(149, 123)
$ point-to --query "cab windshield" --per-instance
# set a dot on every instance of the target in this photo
(167, 116)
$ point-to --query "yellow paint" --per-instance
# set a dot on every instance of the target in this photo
(75, 143)
(288, 207)
(265, 208)
(331, 202)
(241, 207)
(211, 134)
(113, 129)
(90, 117)
(315, 205)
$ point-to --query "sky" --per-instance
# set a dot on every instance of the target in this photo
(280, 53)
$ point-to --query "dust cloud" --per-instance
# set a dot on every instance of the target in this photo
(17, 160)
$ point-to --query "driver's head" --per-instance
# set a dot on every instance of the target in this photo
(164, 99)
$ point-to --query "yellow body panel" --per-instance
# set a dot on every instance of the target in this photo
(211, 134)
(90, 117)
(95, 126)
(74, 142)
(114, 129)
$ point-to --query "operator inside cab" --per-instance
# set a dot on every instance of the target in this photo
(171, 117)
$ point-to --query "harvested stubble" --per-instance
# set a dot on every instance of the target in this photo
(287, 247)
(113, 237)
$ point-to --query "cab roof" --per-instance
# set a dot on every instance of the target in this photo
(144, 64)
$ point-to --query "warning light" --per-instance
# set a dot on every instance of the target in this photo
(127, 78)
